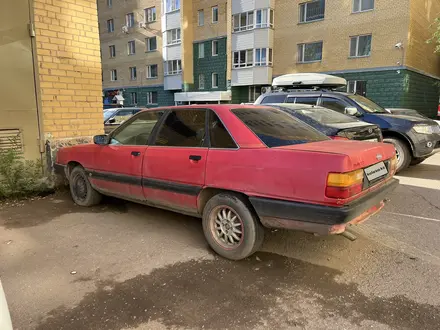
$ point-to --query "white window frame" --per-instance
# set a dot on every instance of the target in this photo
(128, 22)
(149, 71)
(360, 7)
(216, 43)
(200, 17)
(176, 67)
(304, 19)
(250, 23)
(112, 51)
(201, 49)
(214, 74)
(248, 58)
(131, 47)
(177, 35)
(109, 3)
(269, 57)
(267, 17)
(133, 97)
(172, 5)
(303, 51)
(357, 46)
(214, 8)
(150, 98)
(148, 46)
(201, 81)
(110, 23)
(133, 73)
(150, 15)
(113, 75)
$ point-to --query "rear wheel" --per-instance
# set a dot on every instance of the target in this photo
(403, 153)
(81, 190)
(231, 226)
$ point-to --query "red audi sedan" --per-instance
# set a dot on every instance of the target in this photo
(238, 167)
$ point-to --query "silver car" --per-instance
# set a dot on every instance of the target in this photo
(5, 318)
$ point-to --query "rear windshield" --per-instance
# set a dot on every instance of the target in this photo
(367, 104)
(276, 128)
(322, 115)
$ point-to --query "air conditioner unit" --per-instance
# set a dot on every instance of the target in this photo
(125, 29)
(142, 25)
(265, 90)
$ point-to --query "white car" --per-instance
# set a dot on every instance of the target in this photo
(5, 318)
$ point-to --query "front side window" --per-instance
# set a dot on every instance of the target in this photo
(131, 47)
(129, 20)
(367, 104)
(310, 52)
(214, 14)
(113, 75)
(133, 73)
(183, 128)
(334, 104)
(219, 136)
(362, 5)
(215, 80)
(150, 15)
(201, 81)
(110, 25)
(173, 67)
(172, 5)
(134, 98)
(173, 36)
(360, 46)
(151, 44)
(264, 18)
(276, 129)
(151, 98)
(243, 58)
(139, 130)
(121, 116)
(201, 17)
(263, 56)
(214, 47)
(201, 50)
(112, 50)
(152, 71)
(243, 21)
(311, 11)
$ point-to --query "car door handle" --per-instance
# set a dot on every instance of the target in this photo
(195, 157)
(136, 153)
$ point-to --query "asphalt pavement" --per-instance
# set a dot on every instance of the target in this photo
(126, 266)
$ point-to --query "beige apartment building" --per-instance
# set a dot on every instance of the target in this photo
(229, 51)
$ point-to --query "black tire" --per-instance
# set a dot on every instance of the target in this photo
(403, 153)
(417, 161)
(252, 232)
(81, 190)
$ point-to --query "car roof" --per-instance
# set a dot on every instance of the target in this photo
(219, 108)
(294, 106)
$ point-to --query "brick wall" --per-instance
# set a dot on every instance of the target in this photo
(69, 68)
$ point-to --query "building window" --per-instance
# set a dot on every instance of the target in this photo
(264, 18)
(214, 47)
(311, 11)
(357, 87)
(201, 50)
(151, 97)
(243, 58)
(201, 17)
(134, 98)
(133, 73)
(131, 47)
(243, 21)
(311, 52)
(215, 14)
(360, 46)
(173, 36)
(172, 5)
(362, 5)
(152, 71)
(201, 81)
(110, 25)
(150, 14)
(112, 50)
(214, 80)
(113, 75)
(173, 67)
(263, 56)
(151, 44)
(129, 20)
(109, 3)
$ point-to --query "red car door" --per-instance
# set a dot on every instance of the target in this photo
(174, 167)
(118, 165)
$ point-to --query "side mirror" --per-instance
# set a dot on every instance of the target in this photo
(351, 111)
(100, 139)
(112, 121)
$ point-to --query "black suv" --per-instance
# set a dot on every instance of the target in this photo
(414, 138)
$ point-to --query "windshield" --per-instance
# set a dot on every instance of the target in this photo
(109, 113)
(367, 104)
(276, 128)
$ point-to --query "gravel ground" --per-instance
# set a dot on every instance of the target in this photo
(126, 266)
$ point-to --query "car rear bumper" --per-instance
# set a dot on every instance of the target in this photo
(319, 219)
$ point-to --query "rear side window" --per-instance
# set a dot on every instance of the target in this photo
(183, 128)
(307, 100)
(219, 136)
(274, 99)
(276, 128)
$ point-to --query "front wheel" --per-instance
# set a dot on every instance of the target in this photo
(417, 161)
(403, 153)
(231, 227)
(81, 190)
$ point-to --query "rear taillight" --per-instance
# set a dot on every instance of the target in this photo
(338, 138)
(344, 185)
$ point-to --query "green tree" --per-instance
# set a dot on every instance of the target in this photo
(435, 39)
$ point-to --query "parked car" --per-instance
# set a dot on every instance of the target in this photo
(333, 124)
(116, 116)
(414, 138)
(5, 318)
(237, 167)
(408, 112)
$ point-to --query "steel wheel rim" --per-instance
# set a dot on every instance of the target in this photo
(79, 187)
(398, 156)
(226, 227)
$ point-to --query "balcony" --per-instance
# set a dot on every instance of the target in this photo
(255, 75)
(172, 82)
(257, 38)
(242, 6)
